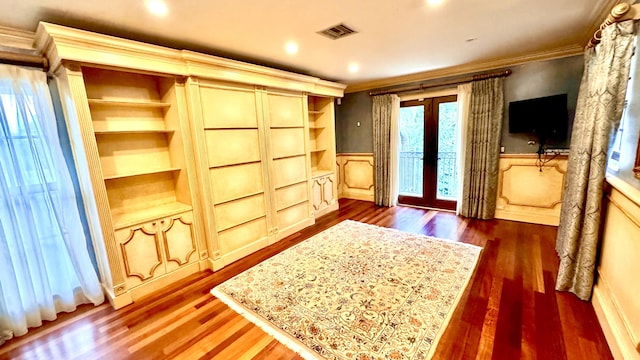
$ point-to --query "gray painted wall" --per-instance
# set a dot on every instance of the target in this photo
(536, 79)
(351, 138)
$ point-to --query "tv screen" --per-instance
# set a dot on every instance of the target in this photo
(546, 116)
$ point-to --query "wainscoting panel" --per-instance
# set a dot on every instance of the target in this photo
(529, 193)
(355, 176)
(616, 297)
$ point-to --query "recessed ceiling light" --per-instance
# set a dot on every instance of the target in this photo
(353, 68)
(291, 47)
(434, 2)
(157, 7)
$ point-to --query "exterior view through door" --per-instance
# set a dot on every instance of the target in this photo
(428, 152)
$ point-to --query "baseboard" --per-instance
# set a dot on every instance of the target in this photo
(117, 302)
(612, 325)
(532, 218)
(292, 229)
(357, 196)
(333, 207)
(238, 254)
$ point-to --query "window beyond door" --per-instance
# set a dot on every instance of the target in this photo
(428, 152)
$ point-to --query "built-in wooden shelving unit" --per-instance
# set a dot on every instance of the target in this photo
(135, 118)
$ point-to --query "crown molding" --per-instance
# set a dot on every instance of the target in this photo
(63, 44)
(467, 69)
(214, 67)
(60, 43)
(17, 39)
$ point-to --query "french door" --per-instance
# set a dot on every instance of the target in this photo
(428, 166)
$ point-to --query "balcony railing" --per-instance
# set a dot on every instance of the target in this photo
(411, 174)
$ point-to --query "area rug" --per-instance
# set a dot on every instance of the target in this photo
(356, 291)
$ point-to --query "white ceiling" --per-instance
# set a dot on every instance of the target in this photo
(396, 37)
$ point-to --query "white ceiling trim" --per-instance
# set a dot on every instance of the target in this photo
(467, 69)
(16, 39)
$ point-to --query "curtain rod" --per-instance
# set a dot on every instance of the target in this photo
(457, 81)
(619, 13)
(7, 57)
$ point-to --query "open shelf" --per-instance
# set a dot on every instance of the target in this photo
(287, 127)
(320, 172)
(150, 172)
(132, 132)
(127, 217)
(130, 103)
(314, 127)
(316, 112)
(318, 150)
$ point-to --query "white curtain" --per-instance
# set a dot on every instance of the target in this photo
(44, 262)
(464, 102)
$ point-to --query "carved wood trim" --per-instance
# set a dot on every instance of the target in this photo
(166, 242)
(356, 161)
(324, 200)
(125, 258)
(317, 182)
(509, 202)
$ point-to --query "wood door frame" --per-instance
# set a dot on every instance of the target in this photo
(430, 155)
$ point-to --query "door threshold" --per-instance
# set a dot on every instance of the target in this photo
(426, 208)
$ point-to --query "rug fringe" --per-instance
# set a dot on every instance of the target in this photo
(277, 334)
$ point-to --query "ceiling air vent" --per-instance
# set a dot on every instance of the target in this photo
(337, 32)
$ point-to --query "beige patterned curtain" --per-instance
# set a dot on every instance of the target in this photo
(482, 149)
(600, 104)
(385, 148)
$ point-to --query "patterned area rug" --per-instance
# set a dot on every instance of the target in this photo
(356, 291)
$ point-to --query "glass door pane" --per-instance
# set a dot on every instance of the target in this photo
(411, 129)
(447, 167)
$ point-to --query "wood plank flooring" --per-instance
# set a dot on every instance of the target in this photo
(510, 309)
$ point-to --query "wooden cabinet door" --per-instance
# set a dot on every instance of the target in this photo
(234, 172)
(323, 190)
(178, 241)
(328, 194)
(288, 162)
(316, 191)
(141, 253)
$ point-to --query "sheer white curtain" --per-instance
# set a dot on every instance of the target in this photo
(464, 101)
(44, 263)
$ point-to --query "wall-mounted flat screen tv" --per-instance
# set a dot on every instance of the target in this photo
(546, 117)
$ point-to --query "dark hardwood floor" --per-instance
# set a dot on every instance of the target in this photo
(509, 310)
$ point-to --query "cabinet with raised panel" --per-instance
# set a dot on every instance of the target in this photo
(324, 196)
(254, 165)
(152, 249)
(324, 188)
